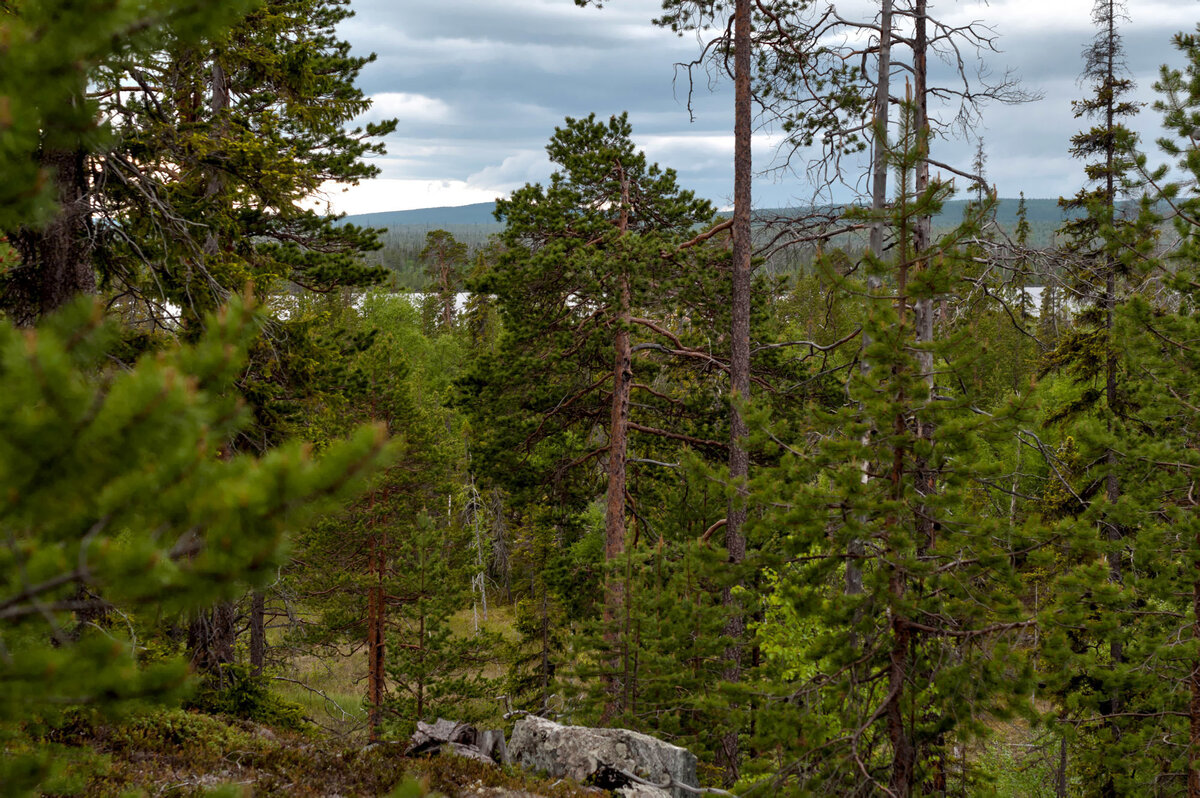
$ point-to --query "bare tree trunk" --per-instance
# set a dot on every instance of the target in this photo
(258, 631)
(879, 180)
(924, 476)
(879, 161)
(618, 445)
(739, 357)
(376, 631)
(211, 636)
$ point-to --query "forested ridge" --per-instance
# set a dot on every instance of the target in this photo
(890, 497)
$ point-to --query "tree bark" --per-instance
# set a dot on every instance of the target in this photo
(618, 445)
(903, 753)
(376, 634)
(258, 631)
(211, 636)
(220, 105)
(739, 358)
(1193, 776)
(879, 160)
(56, 262)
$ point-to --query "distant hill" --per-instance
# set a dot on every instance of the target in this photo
(479, 213)
(1040, 210)
(405, 233)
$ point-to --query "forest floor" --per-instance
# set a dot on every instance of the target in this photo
(185, 753)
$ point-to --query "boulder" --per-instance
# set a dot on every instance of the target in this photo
(462, 739)
(491, 742)
(467, 752)
(598, 756)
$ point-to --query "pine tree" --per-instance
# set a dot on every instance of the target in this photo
(434, 671)
(444, 257)
(1106, 250)
(117, 494)
(1147, 736)
(221, 141)
(52, 129)
(589, 265)
(887, 678)
(357, 569)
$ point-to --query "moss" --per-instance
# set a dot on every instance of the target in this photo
(190, 753)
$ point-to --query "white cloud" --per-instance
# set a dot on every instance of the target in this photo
(527, 166)
(408, 107)
(386, 194)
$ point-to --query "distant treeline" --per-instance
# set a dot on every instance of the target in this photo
(405, 231)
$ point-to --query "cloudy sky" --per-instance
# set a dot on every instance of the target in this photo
(479, 85)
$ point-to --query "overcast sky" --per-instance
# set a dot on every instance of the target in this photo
(479, 85)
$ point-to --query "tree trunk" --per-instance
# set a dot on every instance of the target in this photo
(879, 162)
(1112, 486)
(618, 445)
(258, 631)
(376, 631)
(211, 636)
(879, 180)
(56, 262)
(447, 299)
(739, 357)
(210, 628)
(903, 753)
(1193, 776)
(220, 104)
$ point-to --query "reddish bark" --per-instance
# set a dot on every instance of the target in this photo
(739, 355)
(618, 445)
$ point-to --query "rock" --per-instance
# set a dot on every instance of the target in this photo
(432, 736)
(491, 742)
(467, 752)
(641, 791)
(582, 754)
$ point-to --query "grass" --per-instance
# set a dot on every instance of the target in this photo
(331, 687)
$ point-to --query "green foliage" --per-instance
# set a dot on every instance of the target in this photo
(240, 693)
(45, 62)
(435, 672)
(114, 486)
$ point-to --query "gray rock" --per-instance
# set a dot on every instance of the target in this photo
(580, 752)
(467, 752)
(641, 791)
(491, 742)
(431, 736)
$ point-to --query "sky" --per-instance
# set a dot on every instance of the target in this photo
(478, 87)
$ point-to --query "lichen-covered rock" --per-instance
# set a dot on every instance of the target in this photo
(641, 791)
(580, 752)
